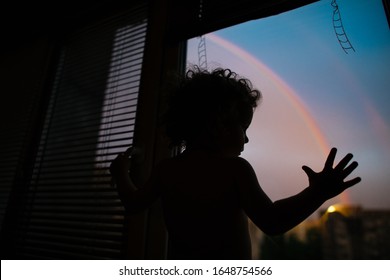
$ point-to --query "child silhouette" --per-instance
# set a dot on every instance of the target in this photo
(208, 191)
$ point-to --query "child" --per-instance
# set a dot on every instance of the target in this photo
(208, 191)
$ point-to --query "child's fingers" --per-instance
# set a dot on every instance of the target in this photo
(343, 163)
(330, 160)
(352, 182)
(128, 152)
(349, 169)
(309, 172)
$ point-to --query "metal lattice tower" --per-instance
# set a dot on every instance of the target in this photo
(339, 29)
(202, 54)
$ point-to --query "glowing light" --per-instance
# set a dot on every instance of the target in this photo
(331, 209)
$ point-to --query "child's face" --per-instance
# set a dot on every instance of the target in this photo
(233, 140)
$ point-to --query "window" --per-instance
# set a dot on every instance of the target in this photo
(316, 95)
(70, 209)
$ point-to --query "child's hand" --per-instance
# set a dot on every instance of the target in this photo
(121, 164)
(330, 181)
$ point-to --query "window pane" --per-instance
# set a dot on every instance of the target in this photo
(317, 94)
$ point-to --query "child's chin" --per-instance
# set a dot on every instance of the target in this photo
(236, 154)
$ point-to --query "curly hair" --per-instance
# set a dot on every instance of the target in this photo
(205, 100)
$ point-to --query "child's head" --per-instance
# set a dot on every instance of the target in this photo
(205, 105)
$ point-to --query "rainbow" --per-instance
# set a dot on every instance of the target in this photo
(283, 88)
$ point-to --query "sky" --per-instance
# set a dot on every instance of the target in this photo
(315, 95)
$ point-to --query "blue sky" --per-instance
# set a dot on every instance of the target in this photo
(348, 95)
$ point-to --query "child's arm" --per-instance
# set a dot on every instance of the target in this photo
(134, 199)
(282, 215)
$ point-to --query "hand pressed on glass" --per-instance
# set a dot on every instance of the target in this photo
(331, 181)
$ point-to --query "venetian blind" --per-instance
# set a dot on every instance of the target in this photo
(71, 210)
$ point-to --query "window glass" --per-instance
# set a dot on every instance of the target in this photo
(324, 75)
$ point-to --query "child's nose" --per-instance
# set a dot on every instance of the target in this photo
(246, 139)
